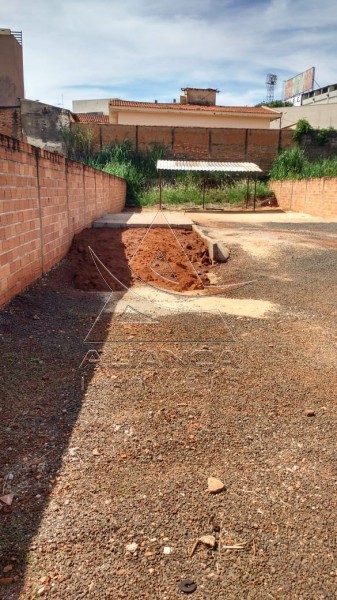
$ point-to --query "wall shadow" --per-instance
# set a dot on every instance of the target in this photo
(41, 394)
(242, 211)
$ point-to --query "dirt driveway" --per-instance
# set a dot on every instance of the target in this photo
(110, 433)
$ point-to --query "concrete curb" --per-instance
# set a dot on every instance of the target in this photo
(217, 251)
(143, 219)
(106, 223)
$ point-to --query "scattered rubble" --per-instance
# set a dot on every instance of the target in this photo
(7, 499)
(310, 413)
(208, 540)
(188, 586)
(133, 547)
(215, 486)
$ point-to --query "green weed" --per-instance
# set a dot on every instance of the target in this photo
(139, 169)
(189, 193)
(293, 164)
(320, 136)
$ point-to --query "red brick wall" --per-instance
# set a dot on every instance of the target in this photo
(256, 145)
(44, 200)
(262, 146)
(316, 197)
(228, 144)
(10, 122)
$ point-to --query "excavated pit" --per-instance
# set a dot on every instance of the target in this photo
(176, 261)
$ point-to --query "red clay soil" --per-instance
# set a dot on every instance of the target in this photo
(176, 261)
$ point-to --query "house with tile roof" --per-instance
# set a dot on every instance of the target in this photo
(196, 108)
(91, 118)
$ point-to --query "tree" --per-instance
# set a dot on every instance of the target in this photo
(275, 104)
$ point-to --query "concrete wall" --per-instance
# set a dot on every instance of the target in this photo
(256, 145)
(316, 197)
(36, 123)
(44, 200)
(326, 95)
(11, 70)
(318, 115)
(41, 125)
(200, 96)
(172, 118)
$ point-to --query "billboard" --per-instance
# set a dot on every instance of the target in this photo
(299, 84)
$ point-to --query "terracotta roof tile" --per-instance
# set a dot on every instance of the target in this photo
(90, 118)
(256, 110)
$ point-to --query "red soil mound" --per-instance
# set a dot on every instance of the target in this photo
(172, 260)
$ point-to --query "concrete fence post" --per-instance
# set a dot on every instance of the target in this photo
(37, 158)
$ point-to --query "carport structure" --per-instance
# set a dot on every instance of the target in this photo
(246, 168)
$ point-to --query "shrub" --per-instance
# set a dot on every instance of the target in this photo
(323, 135)
(78, 142)
(293, 164)
(319, 135)
(289, 164)
(188, 192)
(137, 168)
(302, 128)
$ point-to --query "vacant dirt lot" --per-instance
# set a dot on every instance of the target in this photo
(105, 456)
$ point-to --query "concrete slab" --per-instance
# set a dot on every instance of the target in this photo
(266, 216)
(176, 220)
(180, 219)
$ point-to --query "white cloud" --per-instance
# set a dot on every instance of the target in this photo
(143, 49)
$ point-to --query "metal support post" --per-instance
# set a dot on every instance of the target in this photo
(247, 192)
(255, 192)
(203, 190)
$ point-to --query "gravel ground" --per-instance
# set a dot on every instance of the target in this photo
(109, 463)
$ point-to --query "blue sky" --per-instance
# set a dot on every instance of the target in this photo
(149, 49)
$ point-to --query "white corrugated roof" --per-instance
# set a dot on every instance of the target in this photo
(204, 165)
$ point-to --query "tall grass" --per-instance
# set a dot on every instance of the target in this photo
(325, 167)
(78, 142)
(185, 188)
(139, 169)
(293, 164)
(186, 193)
(289, 164)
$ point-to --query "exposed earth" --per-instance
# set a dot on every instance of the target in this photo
(105, 457)
(139, 255)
